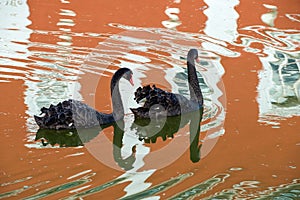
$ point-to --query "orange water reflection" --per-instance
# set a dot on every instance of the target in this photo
(65, 32)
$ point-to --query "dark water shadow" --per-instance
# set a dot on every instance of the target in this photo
(68, 137)
(80, 137)
(150, 130)
(166, 128)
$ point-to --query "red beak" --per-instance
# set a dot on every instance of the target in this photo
(131, 81)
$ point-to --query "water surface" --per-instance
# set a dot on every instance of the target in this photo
(249, 141)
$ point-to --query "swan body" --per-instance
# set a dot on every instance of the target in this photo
(71, 114)
(159, 103)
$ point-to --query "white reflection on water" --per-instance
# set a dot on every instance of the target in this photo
(14, 19)
(45, 82)
(172, 13)
(293, 17)
(138, 181)
(278, 88)
(173, 22)
(269, 17)
(222, 26)
(57, 83)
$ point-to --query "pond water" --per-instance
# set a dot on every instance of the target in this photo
(245, 144)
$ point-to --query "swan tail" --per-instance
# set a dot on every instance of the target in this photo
(39, 121)
(56, 116)
(140, 113)
(134, 111)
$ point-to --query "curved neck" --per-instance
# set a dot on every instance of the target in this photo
(118, 110)
(195, 91)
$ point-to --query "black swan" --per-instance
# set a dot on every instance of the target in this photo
(162, 103)
(71, 114)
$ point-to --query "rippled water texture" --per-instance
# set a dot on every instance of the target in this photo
(245, 147)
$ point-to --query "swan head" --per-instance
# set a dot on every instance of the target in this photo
(128, 76)
(192, 56)
(125, 73)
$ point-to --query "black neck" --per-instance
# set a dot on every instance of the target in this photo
(118, 110)
(195, 91)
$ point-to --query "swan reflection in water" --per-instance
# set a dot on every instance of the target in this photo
(146, 130)
(149, 130)
(79, 137)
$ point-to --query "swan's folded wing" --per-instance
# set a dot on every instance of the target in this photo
(85, 116)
